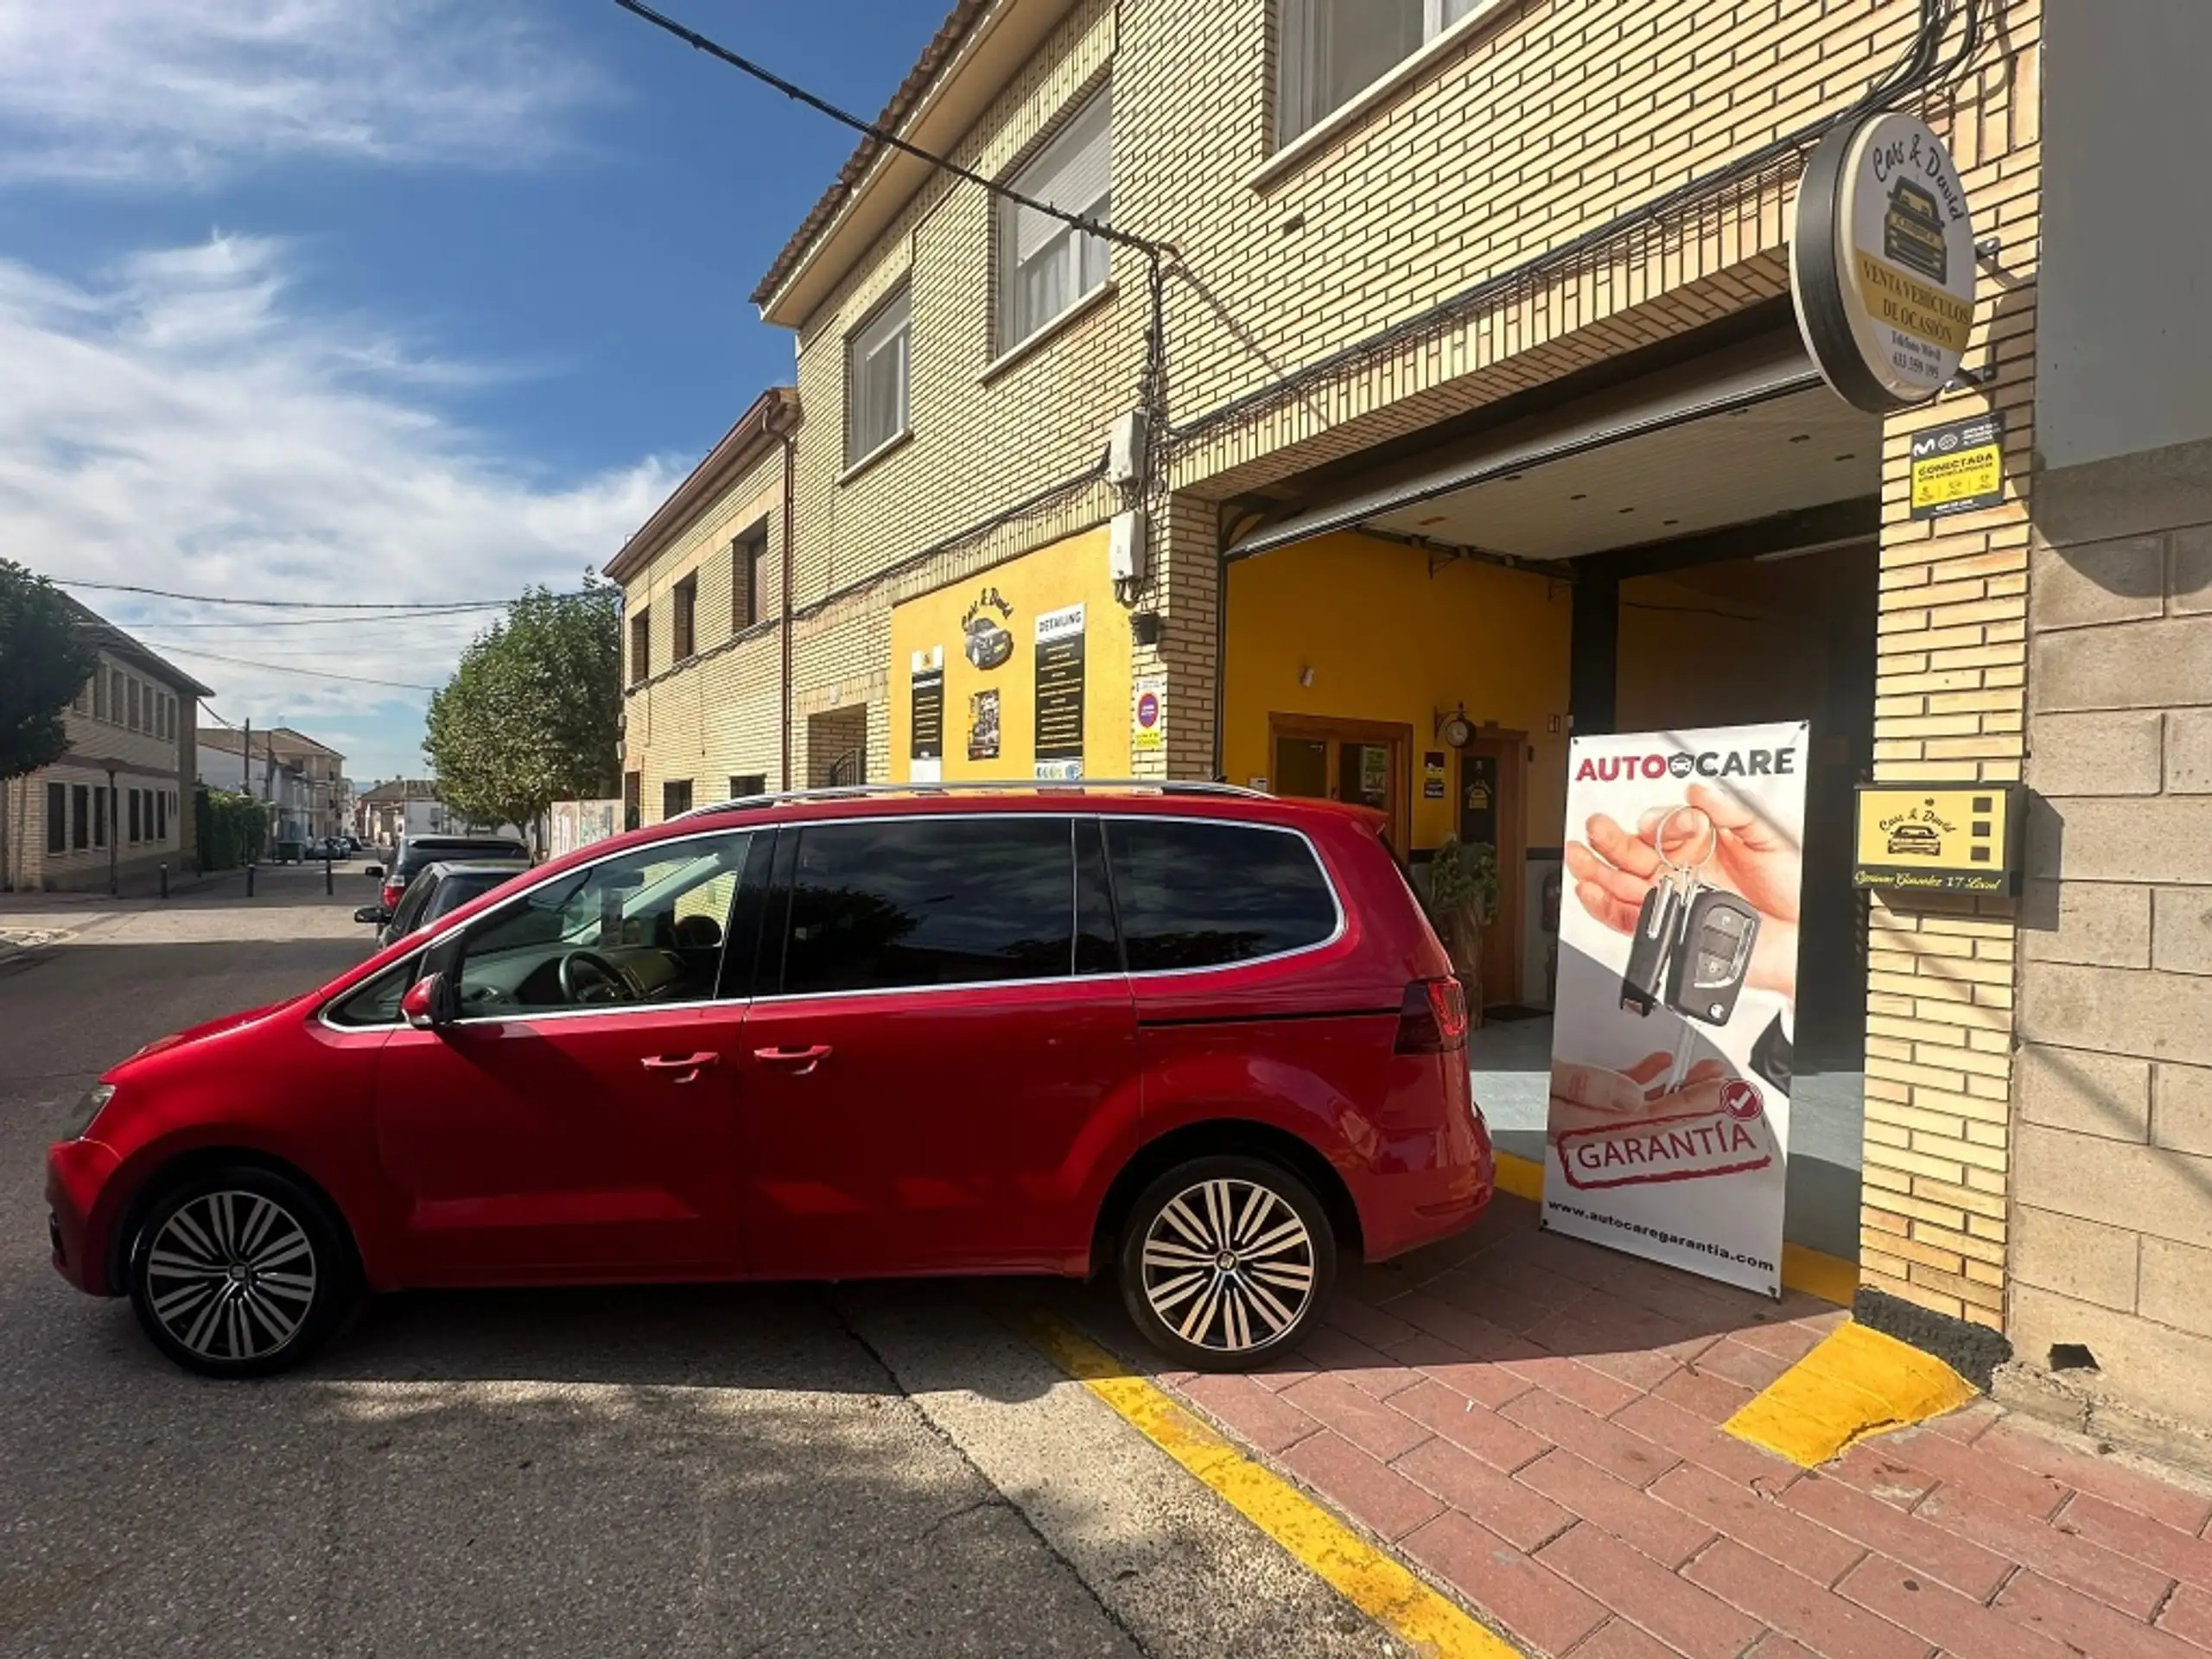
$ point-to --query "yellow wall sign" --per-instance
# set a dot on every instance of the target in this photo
(1026, 666)
(1938, 837)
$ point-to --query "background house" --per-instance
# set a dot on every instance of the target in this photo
(117, 805)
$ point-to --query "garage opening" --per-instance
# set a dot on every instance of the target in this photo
(1697, 548)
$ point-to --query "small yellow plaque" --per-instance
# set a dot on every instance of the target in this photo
(1938, 837)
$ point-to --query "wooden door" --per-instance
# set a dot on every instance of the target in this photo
(1492, 774)
(1368, 763)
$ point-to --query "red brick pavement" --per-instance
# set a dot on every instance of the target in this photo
(1534, 1422)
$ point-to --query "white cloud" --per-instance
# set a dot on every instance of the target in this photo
(184, 424)
(167, 91)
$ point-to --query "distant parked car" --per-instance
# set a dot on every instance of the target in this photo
(416, 853)
(328, 847)
(440, 888)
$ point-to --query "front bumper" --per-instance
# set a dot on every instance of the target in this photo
(78, 1173)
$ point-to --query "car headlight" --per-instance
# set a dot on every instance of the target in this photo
(89, 1108)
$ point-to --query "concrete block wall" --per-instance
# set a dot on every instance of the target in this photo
(2113, 1192)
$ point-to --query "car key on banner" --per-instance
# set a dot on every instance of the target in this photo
(1668, 1125)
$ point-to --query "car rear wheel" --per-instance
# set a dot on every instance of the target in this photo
(240, 1272)
(1225, 1261)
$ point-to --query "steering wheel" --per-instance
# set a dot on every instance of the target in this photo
(602, 981)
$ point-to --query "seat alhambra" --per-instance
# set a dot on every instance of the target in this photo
(1198, 1038)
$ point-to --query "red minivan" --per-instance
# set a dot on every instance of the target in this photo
(1197, 1034)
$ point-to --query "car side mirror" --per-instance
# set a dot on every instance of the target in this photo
(374, 872)
(429, 1003)
(375, 914)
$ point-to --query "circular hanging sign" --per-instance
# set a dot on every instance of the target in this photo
(1882, 263)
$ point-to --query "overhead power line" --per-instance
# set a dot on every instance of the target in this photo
(885, 136)
(290, 604)
(293, 668)
(256, 624)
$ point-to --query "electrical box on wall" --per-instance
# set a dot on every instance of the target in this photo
(1125, 547)
(1125, 442)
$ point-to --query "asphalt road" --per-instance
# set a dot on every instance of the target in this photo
(787, 1470)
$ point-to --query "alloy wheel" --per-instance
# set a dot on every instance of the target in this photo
(1229, 1266)
(232, 1276)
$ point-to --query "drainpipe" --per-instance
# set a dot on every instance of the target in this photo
(112, 837)
(790, 470)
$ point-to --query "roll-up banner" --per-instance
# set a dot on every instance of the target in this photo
(1673, 1027)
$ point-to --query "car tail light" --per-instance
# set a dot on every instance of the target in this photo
(1433, 1018)
(392, 890)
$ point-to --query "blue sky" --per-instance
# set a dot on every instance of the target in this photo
(385, 299)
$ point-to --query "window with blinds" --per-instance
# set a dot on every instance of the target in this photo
(1332, 50)
(1044, 264)
(876, 361)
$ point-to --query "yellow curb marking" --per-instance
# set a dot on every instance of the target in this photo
(1856, 1383)
(1378, 1585)
(1828, 1277)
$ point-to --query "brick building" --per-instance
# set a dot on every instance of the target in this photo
(117, 805)
(1474, 387)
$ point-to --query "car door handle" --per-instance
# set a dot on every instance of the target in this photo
(689, 1066)
(801, 1060)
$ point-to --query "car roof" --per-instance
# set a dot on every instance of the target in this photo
(1221, 802)
(504, 868)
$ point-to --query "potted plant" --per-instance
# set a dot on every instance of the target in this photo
(1462, 897)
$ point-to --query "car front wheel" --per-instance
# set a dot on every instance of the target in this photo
(1226, 1262)
(238, 1273)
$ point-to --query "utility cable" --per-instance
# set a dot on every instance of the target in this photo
(409, 607)
(884, 135)
(293, 668)
(1152, 385)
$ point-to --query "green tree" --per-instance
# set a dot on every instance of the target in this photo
(533, 713)
(45, 659)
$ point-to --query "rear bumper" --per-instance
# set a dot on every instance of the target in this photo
(77, 1177)
(1405, 1210)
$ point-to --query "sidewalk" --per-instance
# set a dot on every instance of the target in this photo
(1535, 1423)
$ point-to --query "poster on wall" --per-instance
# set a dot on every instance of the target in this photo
(983, 725)
(1669, 1133)
(1059, 693)
(1149, 716)
(925, 750)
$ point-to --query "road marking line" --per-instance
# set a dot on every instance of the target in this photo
(1828, 1277)
(1371, 1580)
(1856, 1384)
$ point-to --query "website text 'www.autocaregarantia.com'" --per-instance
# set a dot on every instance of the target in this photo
(1664, 1237)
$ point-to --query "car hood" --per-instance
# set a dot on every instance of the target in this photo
(198, 1033)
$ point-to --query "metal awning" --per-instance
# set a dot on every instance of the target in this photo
(1719, 383)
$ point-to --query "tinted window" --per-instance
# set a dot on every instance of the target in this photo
(947, 901)
(643, 927)
(377, 1002)
(1197, 895)
(1096, 949)
(457, 890)
(407, 915)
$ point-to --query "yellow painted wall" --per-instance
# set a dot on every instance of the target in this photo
(1388, 641)
(1070, 572)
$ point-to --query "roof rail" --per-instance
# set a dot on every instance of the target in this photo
(976, 786)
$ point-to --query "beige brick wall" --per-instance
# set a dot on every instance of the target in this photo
(2113, 1197)
(1514, 140)
(1952, 668)
(714, 716)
